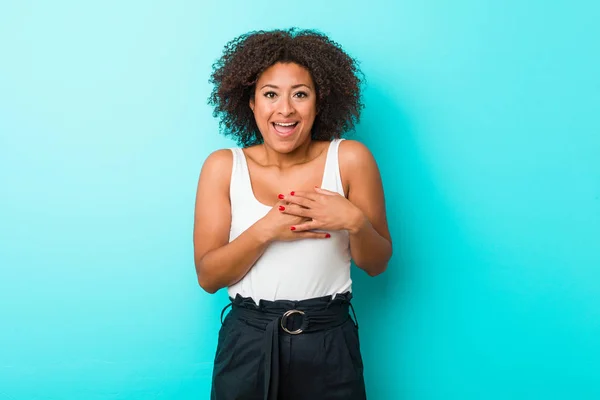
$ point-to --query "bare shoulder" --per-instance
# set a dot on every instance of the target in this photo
(212, 195)
(219, 158)
(215, 175)
(355, 156)
(360, 174)
(217, 166)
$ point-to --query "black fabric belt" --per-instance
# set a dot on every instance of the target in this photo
(288, 317)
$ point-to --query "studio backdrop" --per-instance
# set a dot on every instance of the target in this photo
(482, 115)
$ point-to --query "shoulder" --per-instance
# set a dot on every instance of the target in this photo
(218, 165)
(219, 158)
(353, 155)
(357, 168)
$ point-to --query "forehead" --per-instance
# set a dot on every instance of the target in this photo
(284, 74)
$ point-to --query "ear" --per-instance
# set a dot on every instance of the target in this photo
(252, 104)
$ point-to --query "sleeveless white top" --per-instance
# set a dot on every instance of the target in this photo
(296, 270)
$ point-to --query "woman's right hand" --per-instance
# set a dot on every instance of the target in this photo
(277, 225)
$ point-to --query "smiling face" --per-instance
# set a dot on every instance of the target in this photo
(285, 106)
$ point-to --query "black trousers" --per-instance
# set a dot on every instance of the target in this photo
(289, 350)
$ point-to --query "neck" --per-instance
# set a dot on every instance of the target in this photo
(299, 155)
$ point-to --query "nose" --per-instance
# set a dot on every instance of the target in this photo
(285, 106)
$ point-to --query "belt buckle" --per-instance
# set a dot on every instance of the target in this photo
(284, 319)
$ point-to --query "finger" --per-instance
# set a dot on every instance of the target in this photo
(280, 203)
(307, 195)
(301, 201)
(293, 209)
(325, 192)
(282, 200)
(315, 235)
(307, 226)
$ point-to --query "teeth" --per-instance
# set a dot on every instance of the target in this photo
(281, 124)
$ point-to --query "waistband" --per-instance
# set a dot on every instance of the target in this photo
(291, 317)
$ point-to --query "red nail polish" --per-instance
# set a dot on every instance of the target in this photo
(328, 235)
(281, 208)
(281, 196)
(293, 228)
(292, 193)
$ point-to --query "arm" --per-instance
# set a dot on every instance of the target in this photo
(218, 262)
(370, 240)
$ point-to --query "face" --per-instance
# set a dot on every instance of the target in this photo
(284, 106)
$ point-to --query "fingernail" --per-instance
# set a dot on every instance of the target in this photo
(281, 208)
(293, 228)
(292, 193)
(328, 235)
(281, 196)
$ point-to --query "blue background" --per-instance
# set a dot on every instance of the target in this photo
(483, 116)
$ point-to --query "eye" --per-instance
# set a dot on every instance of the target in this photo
(269, 95)
(301, 95)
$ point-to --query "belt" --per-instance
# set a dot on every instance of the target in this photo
(316, 314)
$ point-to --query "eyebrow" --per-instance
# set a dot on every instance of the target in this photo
(293, 87)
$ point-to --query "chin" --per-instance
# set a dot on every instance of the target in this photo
(286, 145)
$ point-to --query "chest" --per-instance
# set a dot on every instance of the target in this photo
(268, 182)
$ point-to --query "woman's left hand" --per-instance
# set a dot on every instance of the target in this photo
(328, 210)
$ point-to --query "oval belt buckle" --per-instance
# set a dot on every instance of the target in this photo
(284, 320)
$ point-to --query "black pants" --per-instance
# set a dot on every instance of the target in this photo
(289, 350)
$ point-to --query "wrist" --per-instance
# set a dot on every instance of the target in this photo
(262, 233)
(357, 222)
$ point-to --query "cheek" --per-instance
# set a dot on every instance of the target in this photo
(309, 112)
(308, 108)
(262, 113)
(259, 118)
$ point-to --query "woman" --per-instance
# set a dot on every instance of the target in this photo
(278, 220)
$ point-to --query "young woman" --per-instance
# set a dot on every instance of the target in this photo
(279, 219)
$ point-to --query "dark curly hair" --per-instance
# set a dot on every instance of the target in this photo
(336, 75)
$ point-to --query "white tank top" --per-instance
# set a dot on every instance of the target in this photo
(297, 270)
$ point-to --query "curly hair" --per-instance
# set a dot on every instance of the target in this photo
(336, 75)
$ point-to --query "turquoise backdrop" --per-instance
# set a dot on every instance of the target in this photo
(483, 116)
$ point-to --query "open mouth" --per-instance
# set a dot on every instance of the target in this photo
(285, 128)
